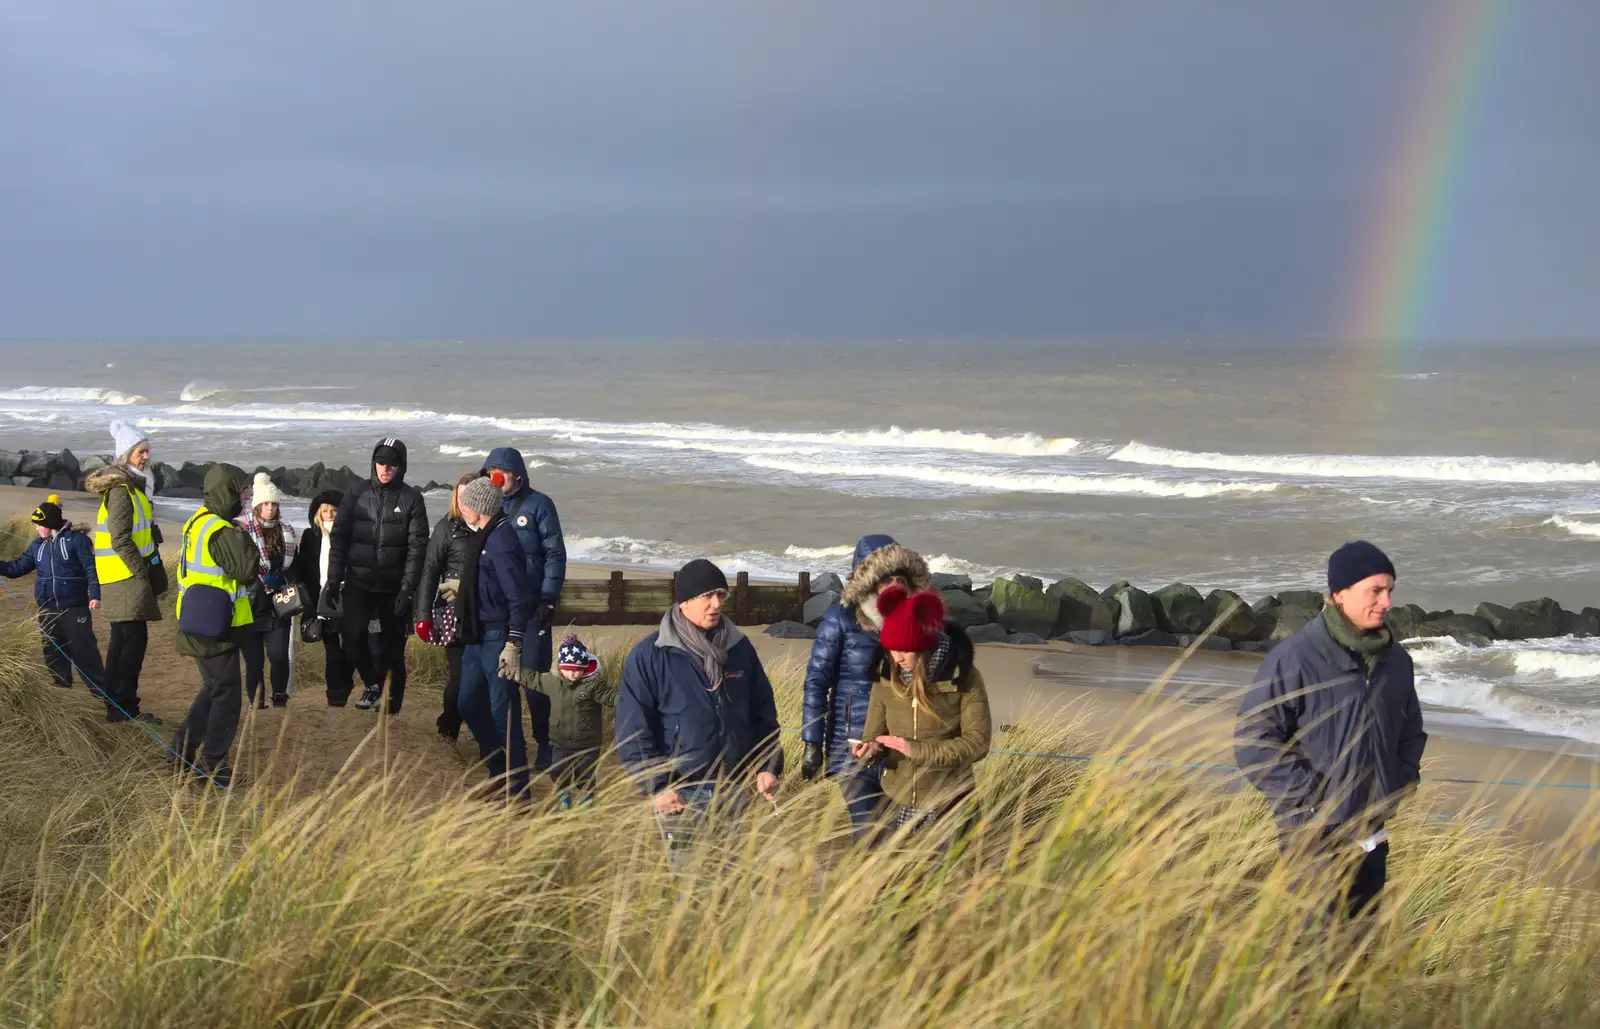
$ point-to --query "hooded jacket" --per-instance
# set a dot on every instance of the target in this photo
(938, 771)
(380, 534)
(230, 549)
(132, 599)
(840, 674)
(446, 556)
(1325, 740)
(673, 728)
(65, 566)
(533, 517)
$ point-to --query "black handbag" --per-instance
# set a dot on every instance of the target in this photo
(310, 629)
(287, 602)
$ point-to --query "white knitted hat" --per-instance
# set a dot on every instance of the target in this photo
(264, 491)
(125, 436)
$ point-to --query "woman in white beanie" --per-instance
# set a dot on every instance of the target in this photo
(268, 641)
(127, 561)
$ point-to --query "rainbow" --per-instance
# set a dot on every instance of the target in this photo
(1398, 263)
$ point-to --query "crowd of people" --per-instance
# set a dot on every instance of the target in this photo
(895, 710)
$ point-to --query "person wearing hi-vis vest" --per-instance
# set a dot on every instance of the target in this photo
(127, 561)
(216, 566)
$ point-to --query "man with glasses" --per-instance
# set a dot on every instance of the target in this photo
(695, 710)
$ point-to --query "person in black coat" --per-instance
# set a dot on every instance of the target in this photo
(436, 602)
(1331, 731)
(310, 570)
(374, 563)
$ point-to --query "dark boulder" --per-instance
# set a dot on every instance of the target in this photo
(1265, 605)
(1546, 612)
(37, 482)
(1406, 621)
(1112, 590)
(193, 475)
(1287, 619)
(1082, 609)
(93, 463)
(1187, 640)
(1509, 623)
(20, 480)
(163, 477)
(1575, 624)
(791, 631)
(991, 633)
(184, 493)
(1301, 598)
(1468, 629)
(1033, 582)
(1136, 613)
(1022, 607)
(9, 463)
(1152, 638)
(818, 606)
(1180, 609)
(964, 609)
(1237, 621)
(33, 463)
(1252, 647)
(68, 462)
(1025, 638)
(826, 582)
(1088, 637)
(949, 581)
(62, 481)
(1591, 618)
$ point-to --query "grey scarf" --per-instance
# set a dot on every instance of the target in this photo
(710, 647)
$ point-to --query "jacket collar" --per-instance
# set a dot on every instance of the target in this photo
(667, 636)
(1318, 635)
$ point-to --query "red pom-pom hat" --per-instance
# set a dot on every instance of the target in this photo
(911, 622)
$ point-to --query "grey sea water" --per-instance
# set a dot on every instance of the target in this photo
(1216, 464)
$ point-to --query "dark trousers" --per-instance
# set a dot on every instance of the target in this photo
(213, 718)
(1335, 853)
(124, 662)
(261, 649)
(573, 769)
(1371, 872)
(69, 641)
(360, 609)
(492, 708)
(336, 670)
(450, 718)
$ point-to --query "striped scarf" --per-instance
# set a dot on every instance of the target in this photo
(270, 541)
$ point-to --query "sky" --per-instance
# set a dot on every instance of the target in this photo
(873, 168)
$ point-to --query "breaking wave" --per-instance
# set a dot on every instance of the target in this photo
(1345, 466)
(1013, 482)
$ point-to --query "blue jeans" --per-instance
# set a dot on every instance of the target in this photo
(678, 831)
(862, 796)
(492, 708)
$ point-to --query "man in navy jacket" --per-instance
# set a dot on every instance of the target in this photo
(1331, 732)
(492, 608)
(66, 590)
(532, 516)
(695, 707)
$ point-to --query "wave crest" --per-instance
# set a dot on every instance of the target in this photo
(1350, 466)
(1014, 482)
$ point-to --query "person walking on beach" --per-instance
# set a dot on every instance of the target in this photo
(1331, 731)
(127, 560)
(66, 591)
(695, 709)
(533, 518)
(492, 607)
(380, 535)
(216, 566)
(577, 690)
(928, 717)
(310, 570)
(840, 675)
(437, 623)
(268, 641)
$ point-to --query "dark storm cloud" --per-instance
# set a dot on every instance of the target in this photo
(514, 168)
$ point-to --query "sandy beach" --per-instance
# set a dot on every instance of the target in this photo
(1107, 693)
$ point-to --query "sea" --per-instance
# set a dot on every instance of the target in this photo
(1238, 465)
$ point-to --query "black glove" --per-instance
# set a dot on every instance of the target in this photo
(811, 761)
(331, 603)
(545, 613)
(402, 606)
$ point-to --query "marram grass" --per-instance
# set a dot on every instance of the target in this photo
(1098, 895)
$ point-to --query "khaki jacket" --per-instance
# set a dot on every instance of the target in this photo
(944, 747)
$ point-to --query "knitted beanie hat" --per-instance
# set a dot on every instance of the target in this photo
(574, 656)
(125, 436)
(264, 491)
(48, 514)
(1355, 561)
(911, 622)
(482, 496)
(697, 578)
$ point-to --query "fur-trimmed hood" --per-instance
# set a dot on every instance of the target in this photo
(110, 477)
(877, 566)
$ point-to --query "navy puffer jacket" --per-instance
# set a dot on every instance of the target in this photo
(533, 518)
(840, 674)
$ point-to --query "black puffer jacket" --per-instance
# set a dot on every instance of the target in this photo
(447, 555)
(380, 534)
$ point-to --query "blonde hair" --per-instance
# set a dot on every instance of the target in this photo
(918, 690)
(455, 501)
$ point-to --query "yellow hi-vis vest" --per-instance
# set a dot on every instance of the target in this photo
(197, 568)
(107, 565)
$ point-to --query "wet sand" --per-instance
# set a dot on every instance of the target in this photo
(1106, 691)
